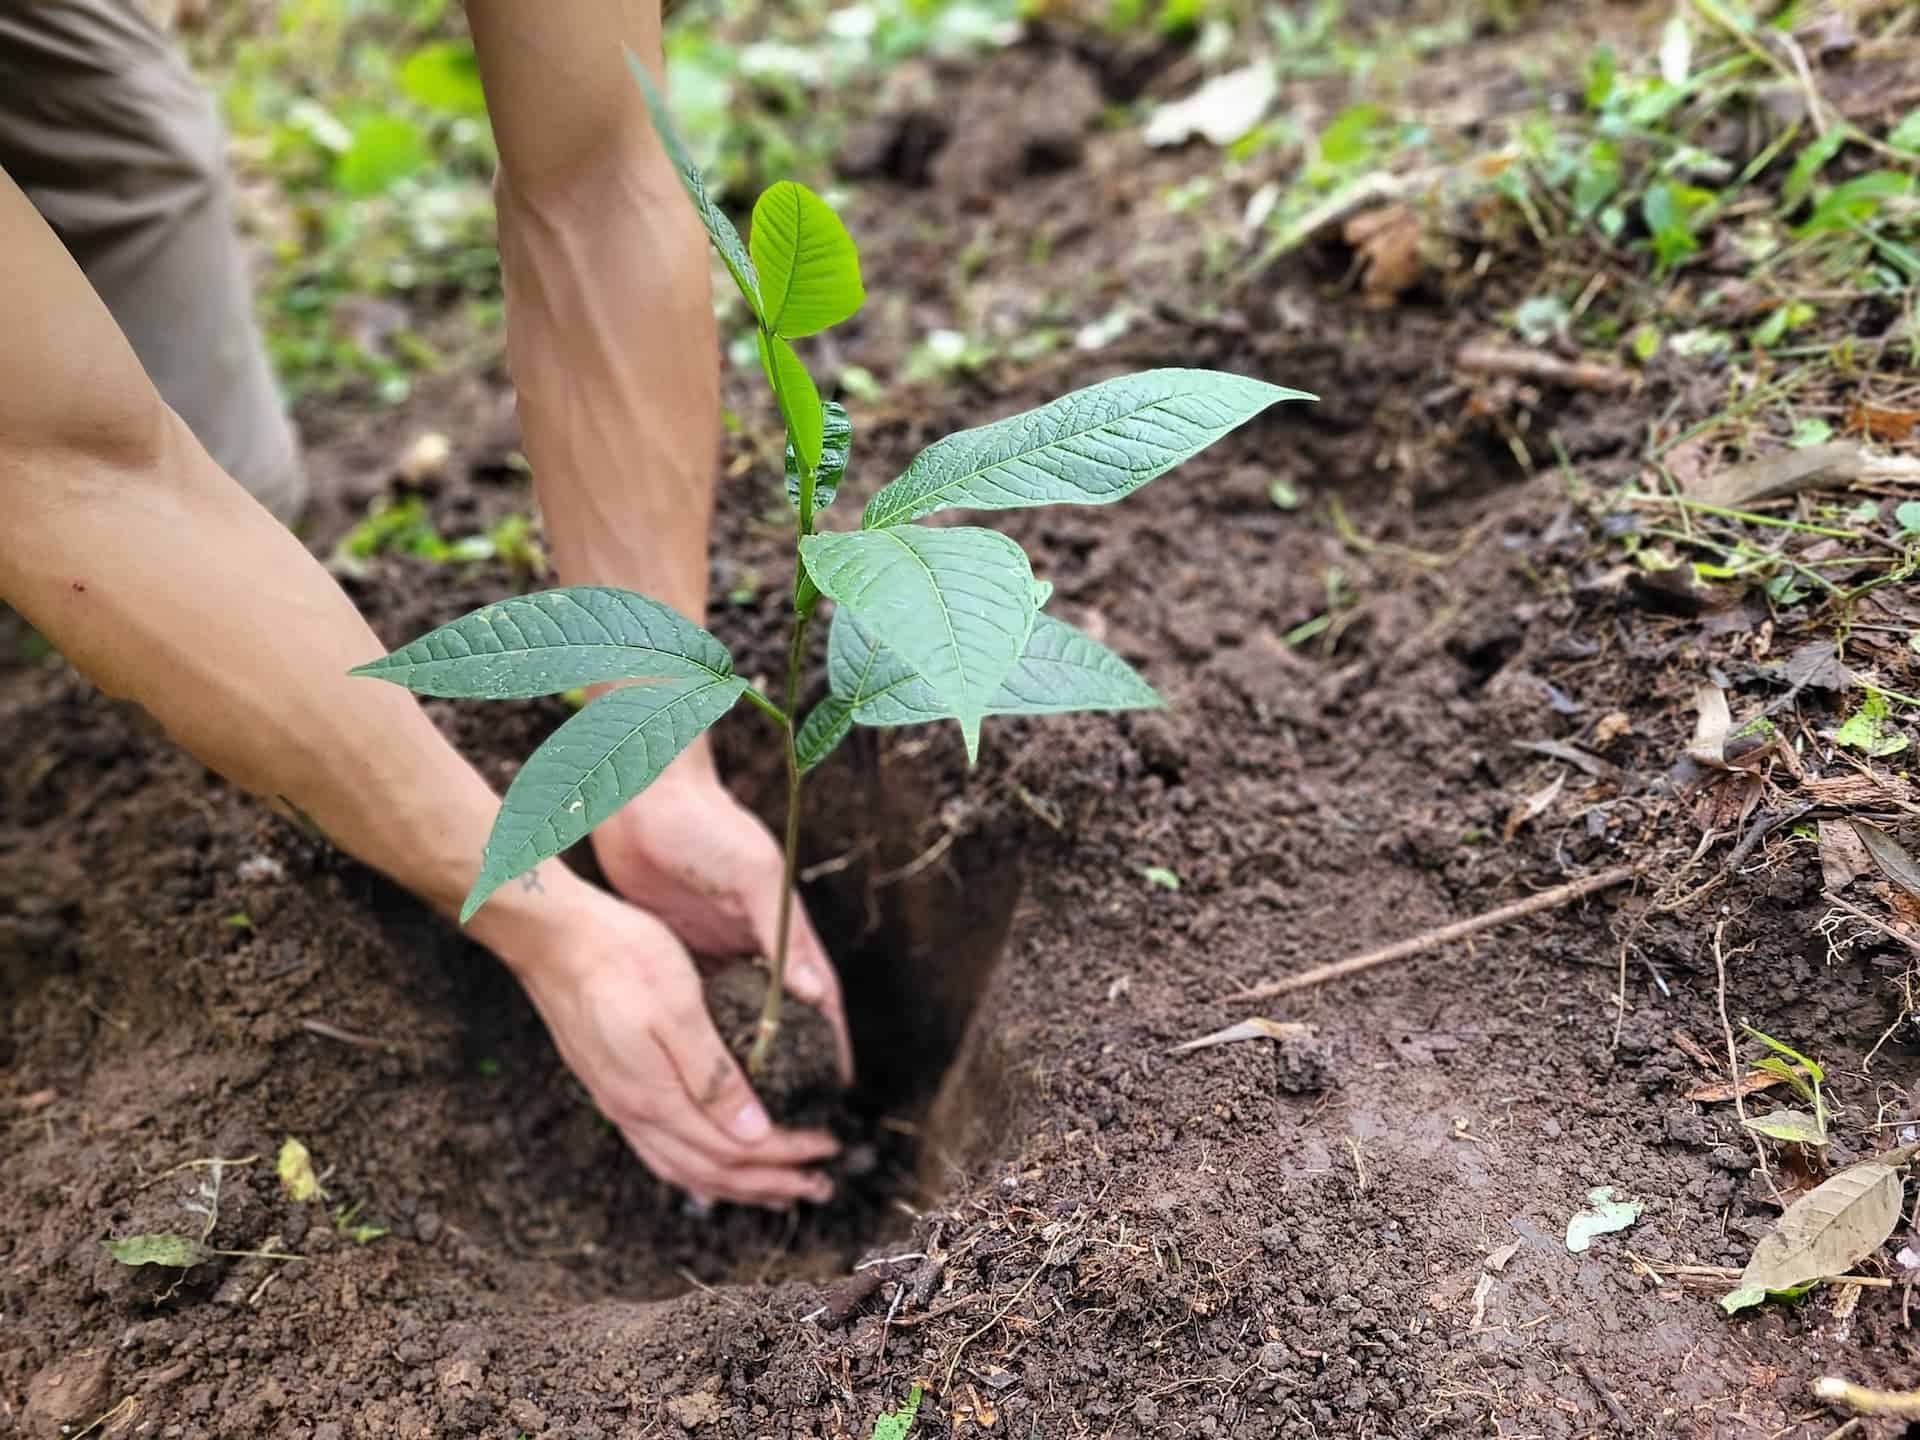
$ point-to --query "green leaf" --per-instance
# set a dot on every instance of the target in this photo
(1797, 1127)
(726, 240)
(836, 443)
(1906, 135)
(1856, 201)
(1062, 669)
(1907, 516)
(444, 78)
(551, 641)
(1597, 179)
(1870, 729)
(809, 271)
(590, 767)
(799, 401)
(1818, 1075)
(955, 604)
(384, 148)
(1808, 164)
(897, 1424)
(1160, 877)
(162, 1249)
(1734, 1301)
(826, 725)
(1092, 447)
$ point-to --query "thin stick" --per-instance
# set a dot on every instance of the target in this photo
(1733, 1057)
(1551, 899)
(1518, 364)
(1902, 1403)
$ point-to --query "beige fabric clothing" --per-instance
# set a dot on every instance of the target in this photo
(106, 131)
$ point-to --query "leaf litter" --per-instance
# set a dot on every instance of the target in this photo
(1827, 1231)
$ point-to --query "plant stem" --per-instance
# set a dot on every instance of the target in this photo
(769, 1027)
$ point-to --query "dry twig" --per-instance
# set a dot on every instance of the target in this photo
(1551, 899)
(1512, 361)
(1733, 1057)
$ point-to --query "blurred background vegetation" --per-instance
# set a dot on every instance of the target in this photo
(1687, 142)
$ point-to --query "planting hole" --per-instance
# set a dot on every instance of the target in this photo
(915, 918)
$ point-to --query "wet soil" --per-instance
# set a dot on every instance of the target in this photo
(1077, 1232)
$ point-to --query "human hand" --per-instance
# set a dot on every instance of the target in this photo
(686, 851)
(624, 1005)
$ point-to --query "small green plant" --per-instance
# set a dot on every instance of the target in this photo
(931, 623)
(1804, 1078)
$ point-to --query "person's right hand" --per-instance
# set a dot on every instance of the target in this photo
(623, 1003)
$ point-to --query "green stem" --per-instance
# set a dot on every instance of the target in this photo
(769, 1027)
(773, 711)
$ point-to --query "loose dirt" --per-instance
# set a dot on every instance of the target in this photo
(1245, 1240)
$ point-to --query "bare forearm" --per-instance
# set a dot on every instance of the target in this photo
(612, 349)
(610, 326)
(168, 585)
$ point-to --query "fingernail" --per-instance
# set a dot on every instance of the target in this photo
(807, 985)
(750, 1122)
(823, 1192)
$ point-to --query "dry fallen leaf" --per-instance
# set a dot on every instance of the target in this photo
(1881, 423)
(1533, 806)
(1497, 1261)
(1751, 1082)
(1387, 241)
(1713, 721)
(1258, 1028)
(1827, 1231)
(1894, 862)
(1611, 726)
(1843, 857)
(295, 1168)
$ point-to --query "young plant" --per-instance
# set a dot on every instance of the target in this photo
(930, 623)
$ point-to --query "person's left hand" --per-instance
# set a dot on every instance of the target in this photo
(686, 851)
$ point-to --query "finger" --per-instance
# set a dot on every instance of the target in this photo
(774, 1187)
(810, 976)
(719, 1114)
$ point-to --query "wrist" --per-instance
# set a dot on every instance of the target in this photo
(526, 922)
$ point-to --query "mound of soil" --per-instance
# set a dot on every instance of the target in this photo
(1063, 1227)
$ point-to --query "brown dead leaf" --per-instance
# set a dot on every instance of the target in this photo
(1497, 1261)
(1686, 463)
(1695, 1050)
(1843, 858)
(1611, 726)
(1772, 476)
(1712, 721)
(1533, 806)
(1750, 1083)
(1894, 862)
(1258, 1028)
(1880, 423)
(1387, 241)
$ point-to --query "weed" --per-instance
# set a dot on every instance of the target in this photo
(931, 623)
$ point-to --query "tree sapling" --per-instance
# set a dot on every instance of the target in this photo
(930, 623)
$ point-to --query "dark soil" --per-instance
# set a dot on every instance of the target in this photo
(1245, 1240)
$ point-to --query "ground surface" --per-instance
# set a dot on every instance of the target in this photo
(1247, 1240)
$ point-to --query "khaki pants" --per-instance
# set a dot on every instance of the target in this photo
(105, 130)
